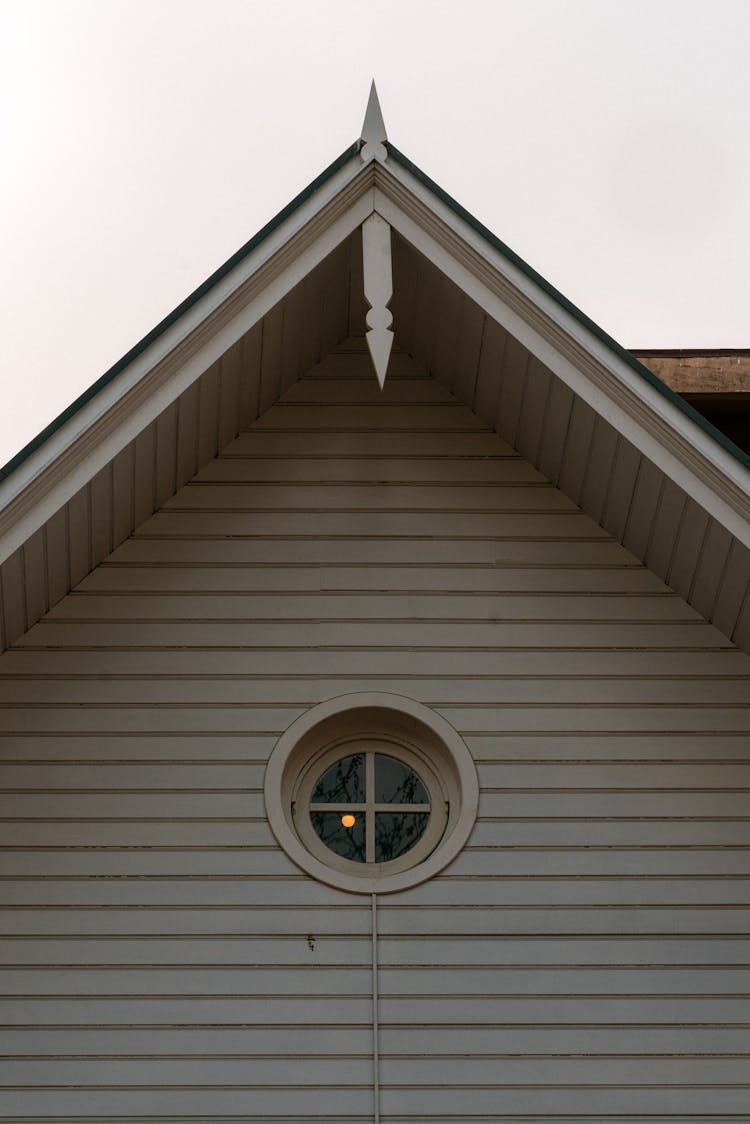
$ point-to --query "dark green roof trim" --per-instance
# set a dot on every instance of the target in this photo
(276, 221)
(667, 392)
(176, 313)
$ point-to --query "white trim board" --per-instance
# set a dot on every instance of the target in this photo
(119, 412)
(678, 446)
(90, 440)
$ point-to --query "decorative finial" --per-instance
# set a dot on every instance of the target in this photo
(373, 130)
(378, 285)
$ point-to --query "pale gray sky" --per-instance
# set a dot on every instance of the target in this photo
(606, 141)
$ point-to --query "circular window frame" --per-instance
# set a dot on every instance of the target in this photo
(415, 734)
(409, 755)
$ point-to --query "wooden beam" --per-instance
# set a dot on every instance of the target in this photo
(700, 372)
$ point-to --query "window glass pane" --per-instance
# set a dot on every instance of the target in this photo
(397, 832)
(342, 783)
(396, 783)
(347, 841)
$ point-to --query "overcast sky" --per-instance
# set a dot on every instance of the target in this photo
(606, 141)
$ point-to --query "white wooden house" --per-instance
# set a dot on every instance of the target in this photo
(521, 570)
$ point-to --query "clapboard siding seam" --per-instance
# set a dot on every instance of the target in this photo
(667, 527)
(523, 379)
(216, 441)
(227, 405)
(689, 544)
(179, 441)
(471, 400)
(554, 431)
(666, 759)
(14, 596)
(222, 485)
(261, 368)
(621, 488)
(471, 334)
(143, 475)
(154, 442)
(599, 510)
(109, 543)
(355, 304)
(25, 587)
(289, 362)
(698, 561)
(127, 648)
(122, 494)
(532, 413)
(504, 878)
(654, 518)
(489, 567)
(305, 455)
(247, 398)
(631, 512)
(100, 515)
(581, 414)
(34, 573)
(436, 592)
(47, 592)
(205, 432)
(488, 789)
(82, 501)
(67, 558)
(188, 422)
(5, 639)
(208, 537)
(711, 569)
(57, 578)
(742, 612)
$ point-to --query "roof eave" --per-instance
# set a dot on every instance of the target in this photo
(219, 282)
(656, 420)
(124, 400)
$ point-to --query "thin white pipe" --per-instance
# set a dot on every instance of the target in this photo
(375, 1023)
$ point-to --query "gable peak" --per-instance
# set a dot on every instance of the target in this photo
(373, 130)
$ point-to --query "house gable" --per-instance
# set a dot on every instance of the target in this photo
(240, 525)
(599, 425)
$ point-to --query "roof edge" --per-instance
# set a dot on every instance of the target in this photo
(653, 380)
(690, 352)
(218, 274)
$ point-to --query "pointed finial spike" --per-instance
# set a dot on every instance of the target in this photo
(373, 130)
(380, 344)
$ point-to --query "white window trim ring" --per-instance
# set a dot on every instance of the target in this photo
(422, 733)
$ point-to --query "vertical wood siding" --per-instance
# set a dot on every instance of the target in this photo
(227, 398)
(557, 432)
(584, 958)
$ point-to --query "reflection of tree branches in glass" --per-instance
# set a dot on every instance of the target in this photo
(342, 783)
(349, 842)
(396, 783)
(370, 781)
(397, 832)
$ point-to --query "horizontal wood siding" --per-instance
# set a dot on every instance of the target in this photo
(584, 958)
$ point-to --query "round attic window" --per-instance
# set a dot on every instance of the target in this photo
(371, 792)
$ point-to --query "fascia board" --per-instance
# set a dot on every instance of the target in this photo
(114, 371)
(664, 434)
(122, 409)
